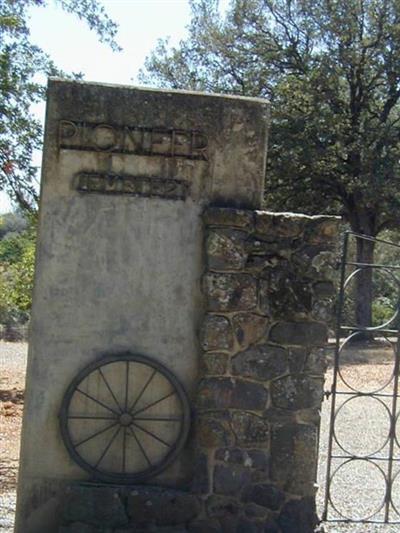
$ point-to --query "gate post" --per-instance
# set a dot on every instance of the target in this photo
(149, 297)
(270, 292)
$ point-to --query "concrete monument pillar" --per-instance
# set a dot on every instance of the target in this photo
(176, 364)
(126, 176)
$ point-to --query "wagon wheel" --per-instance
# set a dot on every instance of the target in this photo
(125, 418)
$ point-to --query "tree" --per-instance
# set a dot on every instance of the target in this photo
(20, 64)
(17, 258)
(331, 69)
(13, 223)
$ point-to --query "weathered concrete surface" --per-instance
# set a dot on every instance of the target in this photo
(119, 260)
(257, 406)
(221, 139)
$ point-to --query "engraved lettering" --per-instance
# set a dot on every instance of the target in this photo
(66, 130)
(104, 137)
(171, 187)
(95, 183)
(147, 141)
(87, 182)
(130, 186)
(132, 139)
(83, 182)
(161, 142)
(112, 184)
(158, 187)
(199, 144)
(166, 142)
(182, 144)
(146, 187)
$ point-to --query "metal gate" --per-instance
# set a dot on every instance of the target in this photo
(363, 457)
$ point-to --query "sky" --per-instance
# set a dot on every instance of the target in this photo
(74, 48)
(141, 22)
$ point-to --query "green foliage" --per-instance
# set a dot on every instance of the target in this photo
(12, 222)
(21, 274)
(11, 248)
(17, 258)
(332, 71)
(386, 286)
(382, 311)
(21, 64)
(384, 281)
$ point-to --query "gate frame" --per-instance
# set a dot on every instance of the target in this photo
(333, 392)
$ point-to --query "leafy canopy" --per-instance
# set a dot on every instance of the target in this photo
(21, 65)
(331, 69)
(17, 258)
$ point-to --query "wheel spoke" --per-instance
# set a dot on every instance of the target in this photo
(151, 435)
(124, 451)
(140, 446)
(107, 447)
(154, 403)
(126, 385)
(95, 434)
(97, 401)
(143, 390)
(109, 389)
(89, 417)
(160, 418)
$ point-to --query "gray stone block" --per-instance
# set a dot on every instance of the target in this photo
(213, 431)
(266, 495)
(247, 525)
(324, 289)
(249, 328)
(297, 358)
(230, 479)
(279, 224)
(97, 506)
(205, 526)
(230, 393)
(225, 249)
(261, 362)
(297, 391)
(228, 216)
(299, 333)
(251, 458)
(162, 507)
(298, 516)
(294, 455)
(216, 333)
(218, 506)
(250, 429)
(322, 230)
(214, 364)
(230, 292)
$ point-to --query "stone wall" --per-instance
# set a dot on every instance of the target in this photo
(269, 293)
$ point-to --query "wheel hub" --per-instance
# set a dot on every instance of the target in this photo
(125, 419)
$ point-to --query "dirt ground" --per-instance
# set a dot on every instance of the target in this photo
(362, 427)
(12, 384)
(364, 367)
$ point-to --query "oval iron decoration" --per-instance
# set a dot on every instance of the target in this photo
(125, 418)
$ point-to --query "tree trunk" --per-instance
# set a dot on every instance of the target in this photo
(364, 288)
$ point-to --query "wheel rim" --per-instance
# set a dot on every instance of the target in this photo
(125, 418)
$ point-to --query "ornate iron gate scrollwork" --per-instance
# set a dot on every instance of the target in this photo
(373, 461)
(125, 418)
